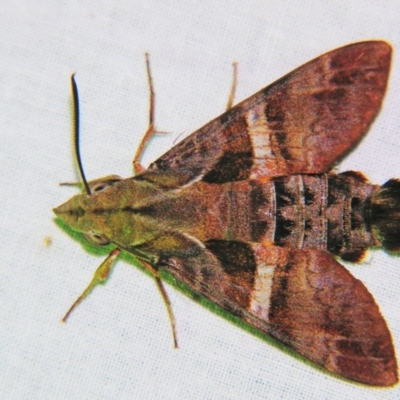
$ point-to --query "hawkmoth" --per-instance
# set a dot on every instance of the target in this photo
(247, 212)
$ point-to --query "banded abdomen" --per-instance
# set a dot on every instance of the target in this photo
(324, 212)
(341, 213)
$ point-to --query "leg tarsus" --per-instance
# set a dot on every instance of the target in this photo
(137, 166)
(167, 302)
(151, 130)
(165, 297)
(233, 87)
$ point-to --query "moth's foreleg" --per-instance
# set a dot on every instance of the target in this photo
(100, 276)
(231, 97)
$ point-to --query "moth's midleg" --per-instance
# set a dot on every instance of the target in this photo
(231, 97)
(100, 276)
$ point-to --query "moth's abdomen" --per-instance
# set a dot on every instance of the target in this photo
(385, 214)
(322, 212)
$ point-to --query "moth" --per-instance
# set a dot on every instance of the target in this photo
(247, 212)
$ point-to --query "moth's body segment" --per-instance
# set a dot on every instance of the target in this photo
(245, 212)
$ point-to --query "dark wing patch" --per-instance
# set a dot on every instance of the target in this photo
(223, 272)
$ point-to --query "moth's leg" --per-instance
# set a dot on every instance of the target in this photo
(78, 184)
(100, 276)
(151, 130)
(110, 179)
(167, 302)
(233, 87)
(165, 297)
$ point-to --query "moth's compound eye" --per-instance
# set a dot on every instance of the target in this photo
(99, 186)
(96, 239)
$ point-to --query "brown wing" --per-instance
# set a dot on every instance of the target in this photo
(305, 299)
(300, 124)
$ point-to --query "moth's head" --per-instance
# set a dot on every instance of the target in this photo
(79, 211)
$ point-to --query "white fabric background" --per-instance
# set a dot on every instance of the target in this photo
(118, 343)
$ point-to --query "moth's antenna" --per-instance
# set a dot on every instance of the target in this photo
(75, 97)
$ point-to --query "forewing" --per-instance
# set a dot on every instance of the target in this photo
(300, 124)
(305, 299)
